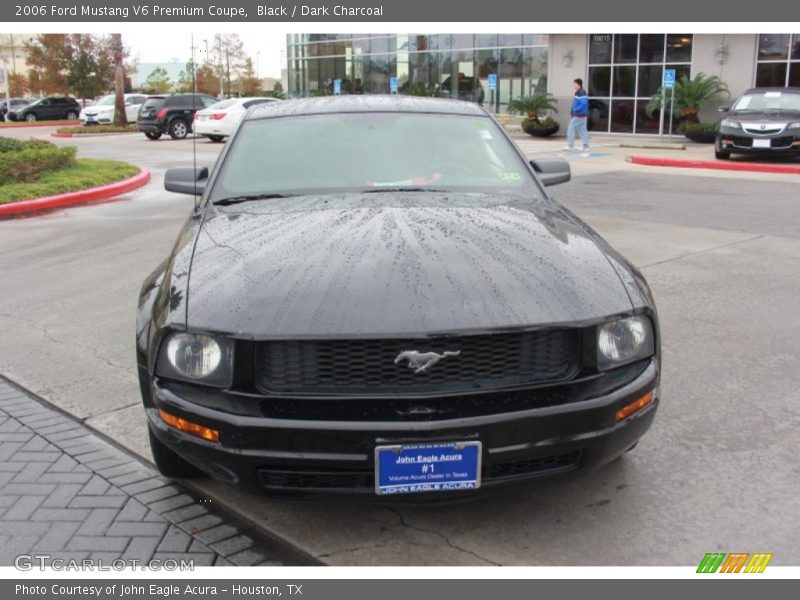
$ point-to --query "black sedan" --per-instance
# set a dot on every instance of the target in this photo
(48, 108)
(378, 295)
(762, 121)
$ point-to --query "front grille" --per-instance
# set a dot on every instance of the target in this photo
(368, 366)
(364, 480)
(759, 131)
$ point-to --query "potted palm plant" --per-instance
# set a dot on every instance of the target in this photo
(690, 96)
(532, 107)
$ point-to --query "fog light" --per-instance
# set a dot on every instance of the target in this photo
(212, 435)
(635, 406)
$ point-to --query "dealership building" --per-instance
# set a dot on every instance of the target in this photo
(621, 71)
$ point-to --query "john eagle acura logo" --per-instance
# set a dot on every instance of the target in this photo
(422, 361)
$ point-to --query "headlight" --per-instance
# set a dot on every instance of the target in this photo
(795, 125)
(729, 123)
(623, 341)
(196, 357)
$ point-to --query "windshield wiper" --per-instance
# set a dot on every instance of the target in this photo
(248, 198)
(401, 189)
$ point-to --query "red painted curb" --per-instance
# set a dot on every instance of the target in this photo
(80, 197)
(12, 125)
(56, 134)
(721, 165)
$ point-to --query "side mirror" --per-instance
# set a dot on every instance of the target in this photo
(186, 180)
(724, 108)
(552, 171)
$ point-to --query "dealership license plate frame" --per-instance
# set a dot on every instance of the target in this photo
(450, 479)
(762, 144)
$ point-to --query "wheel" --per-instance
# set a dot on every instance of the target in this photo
(216, 138)
(31, 117)
(72, 116)
(178, 129)
(170, 464)
(719, 153)
(153, 135)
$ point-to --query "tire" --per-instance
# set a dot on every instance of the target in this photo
(178, 129)
(168, 463)
(30, 117)
(152, 135)
(216, 138)
(72, 116)
(719, 153)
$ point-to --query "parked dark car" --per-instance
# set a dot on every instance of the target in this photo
(378, 295)
(171, 114)
(469, 89)
(48, 108)
(762, 121)
(16, 104)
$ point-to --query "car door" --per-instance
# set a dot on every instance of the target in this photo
(43, 109)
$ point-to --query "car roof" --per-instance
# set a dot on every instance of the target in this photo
(785, 90)
(364, 103)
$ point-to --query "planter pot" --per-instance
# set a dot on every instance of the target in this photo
(700, 137)
(541, 131)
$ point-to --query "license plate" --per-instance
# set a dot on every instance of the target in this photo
(420, 468)
(761, 143)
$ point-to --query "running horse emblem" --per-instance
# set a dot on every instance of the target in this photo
(422, 361)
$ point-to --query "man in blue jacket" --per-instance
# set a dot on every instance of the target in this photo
(578, 115)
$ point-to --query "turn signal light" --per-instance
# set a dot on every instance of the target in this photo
(627, 410)
(162, 114)
(212, 435)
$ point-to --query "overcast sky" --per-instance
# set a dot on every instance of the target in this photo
(146, 49)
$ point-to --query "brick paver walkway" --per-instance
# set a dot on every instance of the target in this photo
(68, 493)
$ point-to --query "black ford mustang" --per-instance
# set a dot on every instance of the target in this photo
(377, 294)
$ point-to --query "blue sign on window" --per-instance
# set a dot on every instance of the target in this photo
(492, 82)
(337, 87)
(669, 78)
(393, 85)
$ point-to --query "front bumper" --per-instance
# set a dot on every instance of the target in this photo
(738, 141)
(265, 454)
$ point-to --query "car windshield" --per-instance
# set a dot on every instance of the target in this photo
(374, 152)
(761, 101)
(105, 100)
(223, 104)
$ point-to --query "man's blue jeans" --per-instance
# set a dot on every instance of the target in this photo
(577, 124)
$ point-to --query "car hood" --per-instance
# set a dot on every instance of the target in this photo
(370, 265)
(769, 116)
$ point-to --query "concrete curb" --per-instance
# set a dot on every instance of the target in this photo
(13, 125)
(86, 196)
(56, 134)
(720, 165)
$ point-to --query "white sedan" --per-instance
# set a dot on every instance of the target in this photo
(102, 111)
(218, 120)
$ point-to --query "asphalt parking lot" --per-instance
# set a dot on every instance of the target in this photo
(718, 471)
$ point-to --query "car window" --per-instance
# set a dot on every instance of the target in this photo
(376, 151)
(223, 104)
(772, 100)
(208, 101)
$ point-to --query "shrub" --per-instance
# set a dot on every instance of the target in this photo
(689, 127)
(93, 129)
(26, 165)
(8, 144)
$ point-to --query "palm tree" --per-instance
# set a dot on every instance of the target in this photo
(690, 95)
(533, 106)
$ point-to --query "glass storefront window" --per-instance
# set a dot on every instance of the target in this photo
(623, 74)
(778, 60)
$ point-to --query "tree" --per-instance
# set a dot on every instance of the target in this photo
(690, 95)
(157, 81)
(185, 79)
(229, 51)
(249, 84)
(533, 106)
(206, 80)
(120, 118)
(49, 55)
(17, 84)
(35, 82)
(87, 73)
(278, 87)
